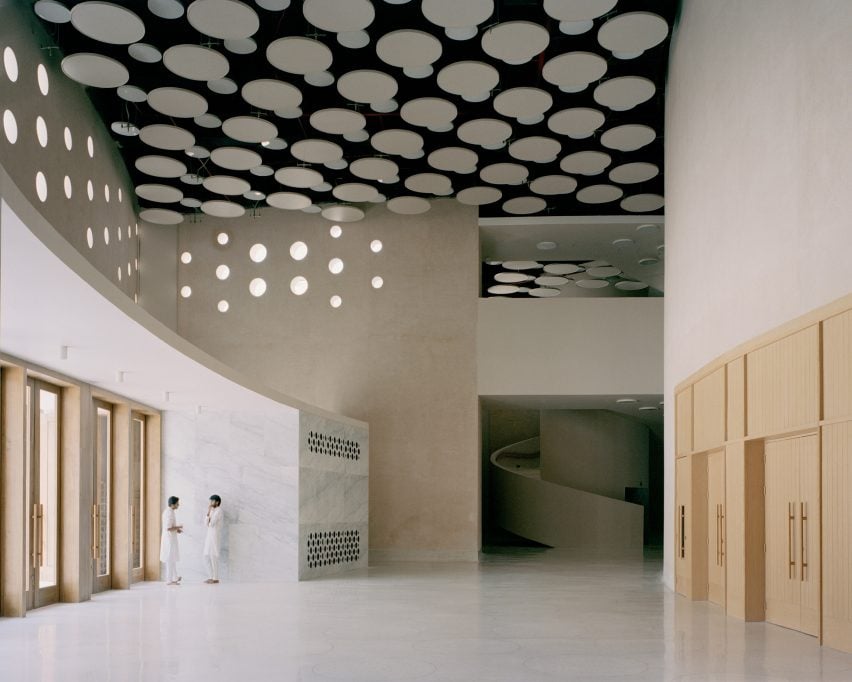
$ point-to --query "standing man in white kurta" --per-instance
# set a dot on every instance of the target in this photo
(169, 552)
(212, 539)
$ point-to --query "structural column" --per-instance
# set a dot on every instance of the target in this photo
(13, 512)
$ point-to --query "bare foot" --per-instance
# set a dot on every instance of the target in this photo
(214, 581)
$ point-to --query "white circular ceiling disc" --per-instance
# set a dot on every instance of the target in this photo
(630, 173)
(107, 23)
(631, 286)
(166, 9)
(52, 11)
(550, 185)
(485, 132)
(299, 177)
(643, 203)
(161, 216)
(504, 174)
(628, 138)
(537, 149)
(167, 137)
(95, 70)
(592, 283)
(479, 196)
(408, 48)
(470, 80)
(274, 95)
(343, 214)
(223, 19)
(456, 159)
(515, 42)
(429, 183)
(578, 10)
(524, 205)
(196, 62)
(356, 192)
(374, 168)
(161, 194)
(599, 194)
(316, 151)
(131, 93)
(339, 15)
(226, 184)
(523, 103)
(633, 32)
(145, 53)
(299, 55)
(177, 102)
(235, 158)
(408, 205)
(222, 209)
(160, 166)
(428, 112)
(338, 121)
(578, 123)
(397, 141)
(454, 14)
(624, 93)
(367, 86)
(585, 163)
(562, 268)
(573, 71)
(249, 129)
(289, 201)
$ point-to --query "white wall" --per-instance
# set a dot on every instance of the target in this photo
(597, 451)
(570, 346)
(758, 171)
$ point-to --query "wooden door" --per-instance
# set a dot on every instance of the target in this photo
(783, 592)
(809, 523)
(683, 490)
(716, 513)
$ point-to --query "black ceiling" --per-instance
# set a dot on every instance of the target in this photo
(164, 33)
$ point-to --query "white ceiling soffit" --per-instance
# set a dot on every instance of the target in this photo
(60, 308)
(569, 88)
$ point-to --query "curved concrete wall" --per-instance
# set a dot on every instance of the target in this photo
(758, 168)
(560, 516)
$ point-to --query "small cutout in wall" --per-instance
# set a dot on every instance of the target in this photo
(333, 446)
(329, 548)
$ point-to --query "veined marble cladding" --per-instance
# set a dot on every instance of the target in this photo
(333, 496)
(252, 462)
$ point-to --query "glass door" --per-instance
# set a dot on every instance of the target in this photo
(137, 495)
(102, 505)
(42, 479)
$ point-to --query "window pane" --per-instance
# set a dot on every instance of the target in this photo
(103, 457)
(137, 462)
(48, 430)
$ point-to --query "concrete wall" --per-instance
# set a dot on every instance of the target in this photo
(594, 450)
(402, 358)
(570, 346)
(758, 169)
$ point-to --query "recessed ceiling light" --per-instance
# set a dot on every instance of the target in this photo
(626, 400)
(546, 246)
(648, 408)
(647, 228)
(648, 261)
(622, 243)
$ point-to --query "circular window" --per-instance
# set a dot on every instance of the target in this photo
(43, 82)
(223, 306)
(90, 190)
(41, 186)
(129, 269)
(119, 274)
(106, 193)
(377, 282)
(335, 231)
(335, 301)
(223, 272)
(186, 257)
(41, 131)
(128, 232)
(106, 235)
(120, 199)
(375, 246)
(69, 142)
(68, 188)
(90, 237)
(257, 253)
(90, 147)
(222, 238)
(186, 291)
(10, 126)
(118, 233)
(298, 285)
(257, 287)
(335, 266)
(10, 61)
(298, 251)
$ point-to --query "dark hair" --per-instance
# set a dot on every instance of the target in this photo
(173, 500)
(216, 498)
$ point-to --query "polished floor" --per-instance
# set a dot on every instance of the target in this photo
(517, 616)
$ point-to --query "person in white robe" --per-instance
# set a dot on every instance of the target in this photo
(213, 522)
(169, 551)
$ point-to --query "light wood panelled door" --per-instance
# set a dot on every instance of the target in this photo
(682, 534)
(792, 533)
(716, 533)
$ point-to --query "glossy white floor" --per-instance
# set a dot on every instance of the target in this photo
(526, 615)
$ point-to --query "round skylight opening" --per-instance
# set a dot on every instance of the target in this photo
(626, 401)
(41, 186)
(222, 306)
(223, 238)
(186, 291)
(43, 81)
(377, 282)
(186, 257)
(546, 246)
(335, 266)
(376, 245)
(90, 190)
(118, 233)
(257, 287)
(90, 147)
(68, 189)
(106, 236)
(335, 231)
(10, 126)
(41, 131)
(90, 237)
(335, 301)
(298, 285)
(258, 254)
(223, 272)
(119, 273)
(106, 193)
(298, 251)
(69, 141)
(10, 61)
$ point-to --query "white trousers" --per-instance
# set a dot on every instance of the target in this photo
(171, 570)
(212, 566)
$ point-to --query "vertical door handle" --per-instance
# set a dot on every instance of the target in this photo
(34, 552)
(721, 534)
(132, 528)
(803, 515)
(96, 550)
(41, 535)
(682, 531)
(718, 537)
(791, 559)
